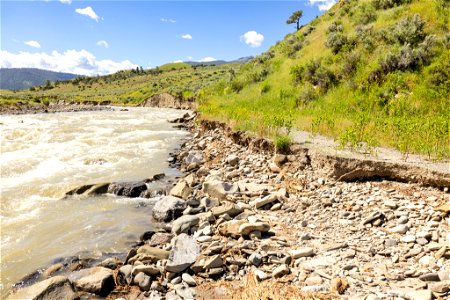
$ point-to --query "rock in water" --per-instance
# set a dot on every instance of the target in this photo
(97, 280)
(168, 208)
(55, 288)
(184, 253)
(127, 189)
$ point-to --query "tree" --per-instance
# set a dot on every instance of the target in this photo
(295, 18)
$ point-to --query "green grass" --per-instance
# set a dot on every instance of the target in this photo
(352, 97)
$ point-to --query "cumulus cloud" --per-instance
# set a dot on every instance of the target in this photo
(71, 61)
(207, 59)
(103, 43)
(177, 61)
(65, 1)
(168, 20)
(33, 44)
(323, 4)
(88, 12)
(186, 36)
(252, 38)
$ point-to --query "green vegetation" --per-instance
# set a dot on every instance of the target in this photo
(124, 87)
(295, 18)
(368, 73)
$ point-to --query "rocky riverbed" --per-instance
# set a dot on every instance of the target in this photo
(246, 223)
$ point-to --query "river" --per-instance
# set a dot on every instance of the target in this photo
(45, 155)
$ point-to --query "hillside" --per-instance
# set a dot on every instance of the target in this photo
(23, 78)
(125, 87)
(367, 72)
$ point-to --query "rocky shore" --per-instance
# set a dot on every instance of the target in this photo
(53, 107)
(245, 222)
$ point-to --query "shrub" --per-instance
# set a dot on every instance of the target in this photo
(385, 4)
(297, 73)
(409, 30)
(336, 26)
(439, 73)
(307, 95)
(366, 36)
(236, 85)
(265, 87)
(282, 143)
(336, 41)
(365, 15)
(350, 64)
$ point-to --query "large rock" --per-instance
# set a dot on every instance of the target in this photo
(247, 228)
(219, 189)
(194, 157)
(181, 190)
(184, 223)
(55, 288)
(90, 189)
(231, 228)
(127, 189)
(153, 251)
(97, 280)
(168, 208)
(183, 254)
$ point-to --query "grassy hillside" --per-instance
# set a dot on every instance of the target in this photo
(23, 78)
(124, 87)
(367, 72)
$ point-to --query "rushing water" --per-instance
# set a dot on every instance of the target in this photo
(45, 155)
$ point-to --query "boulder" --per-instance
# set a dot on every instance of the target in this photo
(183, 254)
(184, 223)
(168, 208)
(230, 228)
(181, 190)
(194, 157)
(219, 189)
(55, 288)
(247, 228)
(127, 189)
(143, 281)
(97, 280)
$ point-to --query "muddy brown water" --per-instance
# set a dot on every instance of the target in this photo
(45, 155)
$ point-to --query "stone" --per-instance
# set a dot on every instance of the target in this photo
(279, 159)
(420, 295)
(440, 287)
(408, 238)
(280, 271)
(52, 269)
(426, 260)
(168, 208)
(338, 285)
(184, 223)
(260, 275)
(127, 189)
(402, 228)
(219, 189)
(260, 202)
(391, 243)
(303, 252)
(146, 269)
(160, 238)
(209, 203)
(274, 167)
(55, 288)
(97, 280)
(188, 279)
(255, 259)
(228, 208)
(247, 228)
(232, 160)
(143, 281)
(184, 292)
(194, 157)
(212, 262)
(230, 228)
(181, 190)
(430, 277)
(153, 251)
(372, 217)
(183, 254)
(314, 280)
(390, 204)
(124, 275)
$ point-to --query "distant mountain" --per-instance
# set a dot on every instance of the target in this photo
(241, 60)
(23, 78)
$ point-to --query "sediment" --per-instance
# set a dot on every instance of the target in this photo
(245, 222)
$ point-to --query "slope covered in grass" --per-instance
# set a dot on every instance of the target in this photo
(124, 87)
(367, 72)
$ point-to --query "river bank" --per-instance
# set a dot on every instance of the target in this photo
(248, 224)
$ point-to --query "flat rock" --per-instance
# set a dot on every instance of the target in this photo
(181, 190)
(168, 208)
(127, 189)
(303, 252)
(97, 280)
(184, 223)
(55, 288)
(153, 251)
(260, 202)
(146, 269)
(280, 271)
(188, 279)
(183, 254)
(160, 238)
(420, 295)
(219, 189)
(230, 228)
(228, 208)
(247, 228)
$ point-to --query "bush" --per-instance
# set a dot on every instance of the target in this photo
(307, 95)
(366, 36)
(350, 64)
(297, 73)
(439, 73)
(365, 15)
(265, 87)
(236, 85)
(282, 143)
(409, 30)
(385, 4)
(336, 41)
(336, 26)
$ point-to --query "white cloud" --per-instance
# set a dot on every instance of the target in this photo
(71, 61)
(323, 4)
(189, 57)
(88, 12)
(252, 38)
(207, 59)
(103, 43)
(168, 20)
(177, 61)
(33, 44)
(65, 1)
(186, 36)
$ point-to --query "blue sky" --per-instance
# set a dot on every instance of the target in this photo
(91, 37)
